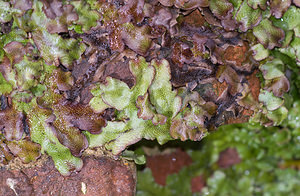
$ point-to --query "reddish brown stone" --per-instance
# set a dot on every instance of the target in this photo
(164, 165)
(101, 176)
(12, 182)
(197, 183)
(228, 158)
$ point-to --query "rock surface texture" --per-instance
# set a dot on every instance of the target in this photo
(99, 176)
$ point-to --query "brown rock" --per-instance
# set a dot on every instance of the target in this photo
(12, 182)
(99, 176)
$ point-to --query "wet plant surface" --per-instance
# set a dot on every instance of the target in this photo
(76, 75)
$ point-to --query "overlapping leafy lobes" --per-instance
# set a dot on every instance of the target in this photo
(199, 74)
(30, 109)
(146, 110)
